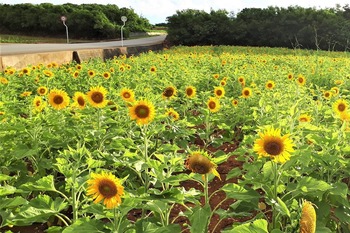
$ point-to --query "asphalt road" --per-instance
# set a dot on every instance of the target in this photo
(13, 49)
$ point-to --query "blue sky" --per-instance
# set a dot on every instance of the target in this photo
(156, 11)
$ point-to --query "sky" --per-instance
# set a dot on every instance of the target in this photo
(156, 11)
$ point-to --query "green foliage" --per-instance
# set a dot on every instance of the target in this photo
(85, 21)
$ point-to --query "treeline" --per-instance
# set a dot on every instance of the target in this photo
(292, 27)
(85, 21)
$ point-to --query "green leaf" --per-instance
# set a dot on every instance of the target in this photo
(4, 177)
(343, 213)
(235, 172)
(312, 186)
(85, 225)
(239, 193)
(258, 226)
(44, 184)
(267, 170)
(6, 190)
(199, 219)
(282, 207)
(7, 203)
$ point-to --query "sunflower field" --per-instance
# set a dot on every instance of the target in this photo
(189, 139)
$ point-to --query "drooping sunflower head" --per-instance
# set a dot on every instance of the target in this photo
(58, 99)
(173, 114)
(42, 90)
(190, 91)
(340, 106)
(270, 84)
(304, 118)
(127, 95)
(271, 144)
(79, 99)
(142, 111)
(97, 97)
(246, 92)
(308, 218)
(219, 92)
(213, 104)
(199, 162)
(301, 80)
(106, 187)
(169, 92)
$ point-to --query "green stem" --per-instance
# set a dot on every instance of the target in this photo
(275, 181)
(145, 141)
(115, 222)
(74, 201)
(206, 189)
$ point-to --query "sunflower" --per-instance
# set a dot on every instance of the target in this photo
(153, 69)
(344, 116)
(213, 104)
(241, 79)
(91, 73)
(234, 102)
(97, 97)
(169, 92)
(216, 76)
(48, 73)
(105, 187)
(106, 75)
(290, 76)
(304, 118)
(76, 74)
(223, 83)
(173, 114)
(142, 111)
(219, 92)
(127, 95)
(26, 71)
(335, 90)
(301, 80)
(270, 84)
(79, 99)
(338, 82)
(4, 80)
(190, 92)
(340, 106)
(272, 144)
(246, 92)
(121, 68)
(308, 218)
(38, 104)
(42, 90)
(327, 95)
(199, 162)
(26, 93)
(79, 67)
(58, 99)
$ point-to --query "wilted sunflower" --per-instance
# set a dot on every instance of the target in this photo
(58, 99)
(38, 104)
(190, 91)
(308, 218)
(213, 104)
(246, 92)
(169, 92)
(142, 111)
(42, 90)
(173, 114)
(79, 99)
(304, 118)
(97, 97)
(199, 162)
(340, 106)
(301, 80)
(272, 144)
(270, 84)
(105, 187)
(127, 95)
(219, 92)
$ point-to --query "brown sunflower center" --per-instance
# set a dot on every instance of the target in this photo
(303, 119)
(246, 93)
(97, 97)
(81, 101)
(189, 91)
(169, 92)
(269, 85)
(58, 99)
(341, 107)
(199, 164)
(42, 91)
(107, 188)
(219, 92)
(126, 95)
(273, 147)
(142, 111)
(212, 105)
(300, 80)
(37, 103)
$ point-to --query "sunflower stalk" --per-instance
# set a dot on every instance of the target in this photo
(206, 189)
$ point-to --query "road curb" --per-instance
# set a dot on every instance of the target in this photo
(21, 61)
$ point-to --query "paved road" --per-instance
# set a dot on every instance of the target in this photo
(13, 49)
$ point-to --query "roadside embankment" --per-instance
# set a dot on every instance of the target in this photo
(20, 61)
